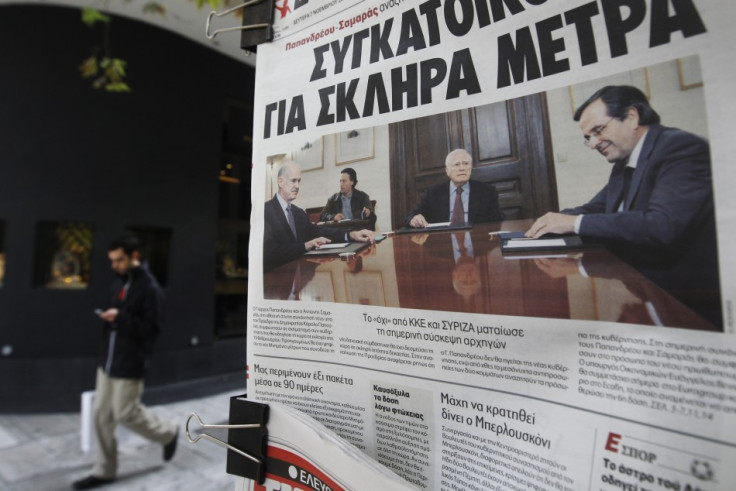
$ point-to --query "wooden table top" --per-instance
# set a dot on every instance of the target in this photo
(466, 272)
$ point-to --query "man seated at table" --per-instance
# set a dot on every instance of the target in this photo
(349, 203)
(288, 233)
(461, 200)
(656, 212)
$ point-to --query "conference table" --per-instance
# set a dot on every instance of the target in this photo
(465, 271)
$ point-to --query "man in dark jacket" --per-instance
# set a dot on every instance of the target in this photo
(461, 200)
(657, 211)
(132, 324)
(349, 203)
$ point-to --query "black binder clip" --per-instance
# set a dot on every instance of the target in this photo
(247, 438)
(257, 26)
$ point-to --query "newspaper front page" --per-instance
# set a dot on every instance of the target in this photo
(565, 369)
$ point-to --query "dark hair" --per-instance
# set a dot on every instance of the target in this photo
(618, 99)
(128, 244)
(351, 174)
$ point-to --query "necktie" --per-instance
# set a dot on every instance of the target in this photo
(628, 172)
(290, 219)
(460, 239)
(296, 286)
(458, 213)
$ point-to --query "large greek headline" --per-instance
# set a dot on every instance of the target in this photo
(542, 49)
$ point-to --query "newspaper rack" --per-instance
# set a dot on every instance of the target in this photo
(247, 437)
(257, 26)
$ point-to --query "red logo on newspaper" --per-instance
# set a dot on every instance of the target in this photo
(612, 442)
(294, 473)
(285, 9)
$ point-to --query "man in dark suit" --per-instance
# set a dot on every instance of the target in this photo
(288, 233)
(462, 200)
(656, 212)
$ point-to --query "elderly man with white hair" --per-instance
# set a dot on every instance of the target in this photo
(461, 200)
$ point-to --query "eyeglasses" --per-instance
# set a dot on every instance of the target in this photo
(596, 132)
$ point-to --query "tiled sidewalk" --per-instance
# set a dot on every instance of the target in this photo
(42, 452)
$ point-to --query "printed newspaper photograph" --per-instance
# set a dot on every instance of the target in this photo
(490, 240)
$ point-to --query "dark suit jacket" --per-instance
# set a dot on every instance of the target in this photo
(279, 244)
(667, 228)
(435, 204)
(358, 201)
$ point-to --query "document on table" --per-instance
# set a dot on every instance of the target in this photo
(535, 243)
(517, 242)
(339, 245)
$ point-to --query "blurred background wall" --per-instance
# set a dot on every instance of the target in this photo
(168, 161)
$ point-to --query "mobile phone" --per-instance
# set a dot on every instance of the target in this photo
(379, 238)
(98, 311)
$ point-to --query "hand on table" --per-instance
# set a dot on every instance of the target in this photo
(316, 243)
(418, 221)
(552, 223)
(364, 235)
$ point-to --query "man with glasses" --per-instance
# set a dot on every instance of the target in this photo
(460, 201)
(656, 212)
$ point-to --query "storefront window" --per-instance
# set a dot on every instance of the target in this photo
(63, 254)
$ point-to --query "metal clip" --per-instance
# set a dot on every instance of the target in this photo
(218, 441)
(227, 29)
